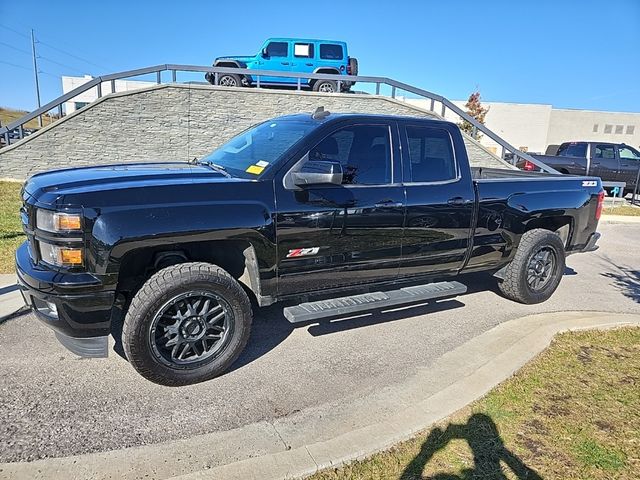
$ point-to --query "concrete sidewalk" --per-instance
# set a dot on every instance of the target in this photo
(331, 434)
(620, 219)
(11, 301)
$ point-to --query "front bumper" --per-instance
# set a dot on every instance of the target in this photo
(72, 304)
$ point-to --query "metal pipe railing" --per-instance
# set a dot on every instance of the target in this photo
(256, 75)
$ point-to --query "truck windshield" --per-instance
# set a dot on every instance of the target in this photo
(251, 153)
(572, 150)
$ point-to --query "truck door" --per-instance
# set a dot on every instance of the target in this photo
(336, 235)
(604, 163)
(629, 166)
(303, 59)
(440, 200)
(276, 55)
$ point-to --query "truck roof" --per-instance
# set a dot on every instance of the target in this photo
(376, 116)
(307, 40)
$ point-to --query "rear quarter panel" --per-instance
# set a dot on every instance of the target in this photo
(507, 208)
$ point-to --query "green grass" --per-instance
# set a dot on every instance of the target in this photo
(11, 234)
(572, 413)
(622, 210)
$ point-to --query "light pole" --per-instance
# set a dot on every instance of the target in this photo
(35, 73)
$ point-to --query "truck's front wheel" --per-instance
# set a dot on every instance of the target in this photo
(536, 269)
(188, 323)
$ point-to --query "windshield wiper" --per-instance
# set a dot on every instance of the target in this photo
(214, 166)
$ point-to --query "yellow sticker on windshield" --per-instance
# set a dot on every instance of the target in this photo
(255, 169)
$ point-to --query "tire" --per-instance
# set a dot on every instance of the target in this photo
(325, 86)
(229, 80)
(353, 64)
(160, 320)
(524, 278)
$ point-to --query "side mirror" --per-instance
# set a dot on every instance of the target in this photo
(264, 53)
(318, 173)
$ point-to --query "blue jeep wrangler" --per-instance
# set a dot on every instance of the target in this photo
(291, 55)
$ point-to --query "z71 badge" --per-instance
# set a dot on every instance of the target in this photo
(303, 252)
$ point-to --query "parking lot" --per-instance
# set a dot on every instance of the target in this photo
(53, 404)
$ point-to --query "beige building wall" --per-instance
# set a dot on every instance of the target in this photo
(617, 127)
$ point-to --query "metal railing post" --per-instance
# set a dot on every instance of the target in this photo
(444, 110)
(393, 92)
(257, 81)
(377, 88)
(502, 153)
(173, 76)
(158, 77)
(113, 86)
(59, 111)
(7, 140)
(99, 87)
(474, 132)
(339, 86)
(21, 131)
(433, 105)
(299, 83)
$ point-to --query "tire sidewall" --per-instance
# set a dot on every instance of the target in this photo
(233, 76)
(319, 83)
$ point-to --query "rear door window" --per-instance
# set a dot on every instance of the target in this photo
(278, 49)
(430, 155)
(572, 150)
(303, 50)
(331, 51)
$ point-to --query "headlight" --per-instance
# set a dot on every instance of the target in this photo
(60, 256)
(58, 222)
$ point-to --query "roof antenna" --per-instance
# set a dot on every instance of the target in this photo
(320, 113)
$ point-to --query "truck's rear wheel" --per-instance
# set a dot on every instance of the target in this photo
(229, 80)
(536, 269)
(188, 323)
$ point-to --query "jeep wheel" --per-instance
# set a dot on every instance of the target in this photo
(229, 80)
(536, 269)
(325, 86)
(188, 323)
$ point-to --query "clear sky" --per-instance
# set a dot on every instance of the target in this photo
(568, 53)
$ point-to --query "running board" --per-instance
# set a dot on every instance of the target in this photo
(372, 301)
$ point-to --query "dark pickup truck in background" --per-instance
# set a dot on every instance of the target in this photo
(365, 210)
(612, 162)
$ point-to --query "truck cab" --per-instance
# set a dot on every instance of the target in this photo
(290, 55)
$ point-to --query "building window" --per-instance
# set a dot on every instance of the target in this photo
(619, 129)
(631, 129)
(608, 128)
(595, 128)
(79, 105)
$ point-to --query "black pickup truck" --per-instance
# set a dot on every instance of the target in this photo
(612, 162)
(365, 211)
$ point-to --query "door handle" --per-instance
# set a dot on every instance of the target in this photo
(457, 201)
(309, 64)
(285, 63)
(388, 204)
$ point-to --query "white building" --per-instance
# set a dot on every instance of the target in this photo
(529, 127)
(533, 127)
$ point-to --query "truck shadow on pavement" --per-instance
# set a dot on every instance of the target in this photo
(488, 449)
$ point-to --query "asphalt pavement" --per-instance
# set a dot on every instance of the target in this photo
(53, 404)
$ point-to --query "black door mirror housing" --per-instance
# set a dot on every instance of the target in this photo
(265, 54)
(318, 172)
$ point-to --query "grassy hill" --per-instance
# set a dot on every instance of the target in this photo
(8, 115)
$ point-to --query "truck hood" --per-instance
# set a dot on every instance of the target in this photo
(62, 187)
(240, 58)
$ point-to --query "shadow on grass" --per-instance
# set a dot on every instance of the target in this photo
(489, 451)
(627, 281)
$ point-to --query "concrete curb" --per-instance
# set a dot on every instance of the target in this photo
(619, 219)
(328, 435)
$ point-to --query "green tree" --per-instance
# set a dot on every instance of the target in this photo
(476, 110)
